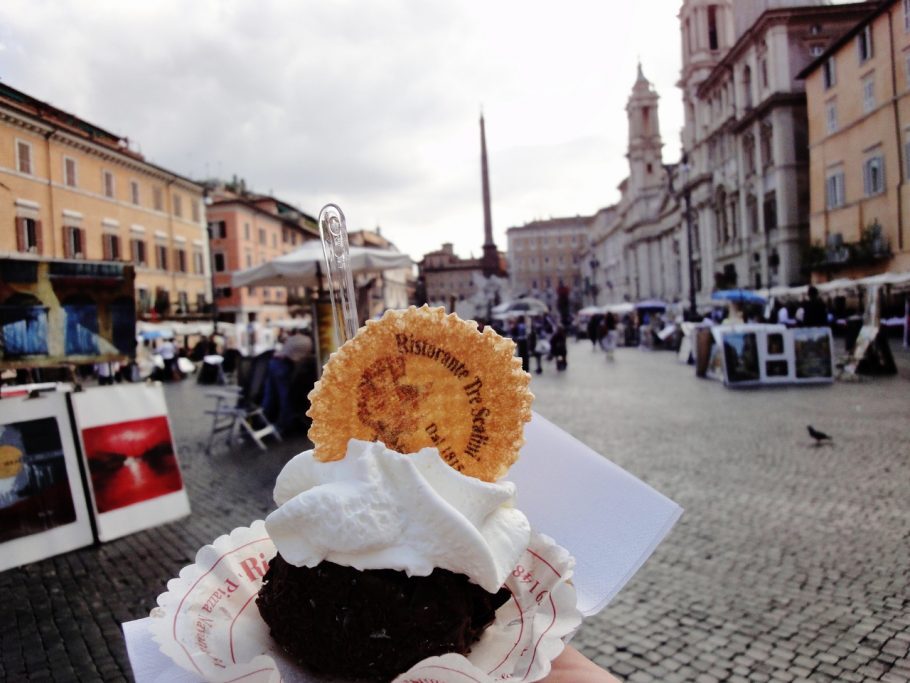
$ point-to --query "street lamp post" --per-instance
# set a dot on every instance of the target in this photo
(207, 201)
(684, 171)
(595, 264)
(210, 230)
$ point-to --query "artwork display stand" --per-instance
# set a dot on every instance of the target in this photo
(43, 510)
(127, 446)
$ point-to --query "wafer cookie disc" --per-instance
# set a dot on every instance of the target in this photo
(420, 378)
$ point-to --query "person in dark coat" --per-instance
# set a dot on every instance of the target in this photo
(815, 312)
(558, 347)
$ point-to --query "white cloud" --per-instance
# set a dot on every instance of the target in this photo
(373, 105)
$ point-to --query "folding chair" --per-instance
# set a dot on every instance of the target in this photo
(236, 407)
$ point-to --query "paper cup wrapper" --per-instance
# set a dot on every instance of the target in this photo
(208, 622)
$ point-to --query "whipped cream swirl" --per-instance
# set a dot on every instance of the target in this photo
(378, 509)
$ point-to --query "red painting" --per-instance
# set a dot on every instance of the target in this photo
(131, 462)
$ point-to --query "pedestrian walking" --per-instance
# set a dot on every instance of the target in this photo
(537, 342)
(609, 338)
(519, 334)
(558, 348)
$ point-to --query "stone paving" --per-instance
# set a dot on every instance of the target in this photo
(791, 563)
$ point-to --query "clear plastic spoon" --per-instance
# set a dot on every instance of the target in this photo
(334, 233)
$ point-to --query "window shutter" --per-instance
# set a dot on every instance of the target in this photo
(20, 234)
(83, 247)
(106, 247)
(39, 240)
(67, 244)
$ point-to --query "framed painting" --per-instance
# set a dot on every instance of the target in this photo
(129, 453)
(43, 511)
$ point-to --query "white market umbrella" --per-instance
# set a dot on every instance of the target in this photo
(304, 267)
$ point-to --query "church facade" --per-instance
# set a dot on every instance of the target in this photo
(636, 245)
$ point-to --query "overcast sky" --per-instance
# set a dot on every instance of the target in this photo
(371, 104)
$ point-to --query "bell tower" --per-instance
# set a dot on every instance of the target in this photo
(708, 32)
(645, 146)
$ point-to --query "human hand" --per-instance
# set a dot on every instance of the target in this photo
(573, 667)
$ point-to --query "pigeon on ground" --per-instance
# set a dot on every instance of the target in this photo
(817, 435)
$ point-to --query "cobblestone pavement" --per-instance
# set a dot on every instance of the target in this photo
(791, 562)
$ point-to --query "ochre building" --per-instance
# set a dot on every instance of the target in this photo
(72, 190)
(859, 140)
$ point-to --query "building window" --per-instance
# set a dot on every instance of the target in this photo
(183, 302)
(262, 239)
(24, 157)
(194, 209)
(246, 231)
(713, 42)
(770, 211)
(157, 199)
(907, 68)
(864, 43)
(73, 242)
(767, 145)
(145, 300)
(137, 249)
(180, 258)
(110, 245)
(161, 256)
(28, 235)
(218, 229)
(197, 262)
(835, 195)
(763, 69)
(749, 153)
(178, 205)
(249, 260)
(752, 213)
(831, 116)
(816, 50)
(69, 171)
(906, 16)
(108, 181)
(747, 87)
(829, 73)
(134, 192)
(874, 175)
(869, 93)
(218, 260)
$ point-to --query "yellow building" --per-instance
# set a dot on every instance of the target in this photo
(69, 189)
(858, 95)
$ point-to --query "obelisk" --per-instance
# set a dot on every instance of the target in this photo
(490, 260)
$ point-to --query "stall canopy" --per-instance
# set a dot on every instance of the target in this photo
(651, 305)
(743, 296)
(303, 268)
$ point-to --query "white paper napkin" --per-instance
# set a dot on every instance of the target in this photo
(609, 520)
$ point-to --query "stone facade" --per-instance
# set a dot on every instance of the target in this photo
(71, 190)
(446, 278)
(746, 134)
(635, 245)
(859, 139)
(544, 253)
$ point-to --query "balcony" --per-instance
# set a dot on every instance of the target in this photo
(872, 247)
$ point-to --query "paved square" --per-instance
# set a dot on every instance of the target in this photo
(792, 562)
